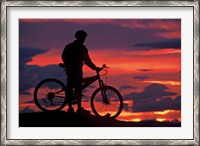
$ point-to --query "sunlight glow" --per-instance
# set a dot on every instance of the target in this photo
(162, 112)
(136, 120)
(172, 83)
(160, 119)
(166, 115)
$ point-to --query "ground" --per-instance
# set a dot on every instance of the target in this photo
(65, 119)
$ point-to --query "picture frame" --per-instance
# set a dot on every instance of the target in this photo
(5, 5)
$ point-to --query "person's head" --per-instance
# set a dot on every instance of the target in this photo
(80, 36)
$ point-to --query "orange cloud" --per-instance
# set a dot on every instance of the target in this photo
(168, 35)
(118, 61)
(172, 83)
(153, 52)
(53, 56)
(152, 24)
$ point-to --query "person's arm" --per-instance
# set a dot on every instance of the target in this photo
(87, 60)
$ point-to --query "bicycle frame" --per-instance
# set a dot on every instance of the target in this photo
(88, 81)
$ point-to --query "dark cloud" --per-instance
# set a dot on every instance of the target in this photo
(24, 92)
(30, 101)
(33, 74)
(160, 105)
(27, 110)
(142, 77)
(145, 70)
(163, 44)
(30, 75)
(126, 106)
(155, 97)
(26, 54)
(125, 87)
(100, 35)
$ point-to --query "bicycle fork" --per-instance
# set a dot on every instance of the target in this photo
(103, 92)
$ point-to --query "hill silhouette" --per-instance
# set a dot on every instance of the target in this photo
(65, 119)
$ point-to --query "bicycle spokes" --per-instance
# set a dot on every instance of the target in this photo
(50, 95)
(52, 99)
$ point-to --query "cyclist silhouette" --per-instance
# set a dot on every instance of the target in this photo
(74, 55)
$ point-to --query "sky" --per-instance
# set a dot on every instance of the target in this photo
(144, 56)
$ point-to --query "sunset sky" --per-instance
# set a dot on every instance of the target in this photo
(144, 56)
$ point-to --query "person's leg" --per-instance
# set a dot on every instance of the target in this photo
(69, 94)
(78, 89)
(69, 89)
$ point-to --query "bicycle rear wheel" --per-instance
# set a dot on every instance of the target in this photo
(112, 105)
(49, 95)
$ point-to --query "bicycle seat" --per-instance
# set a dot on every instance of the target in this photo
(62, 65)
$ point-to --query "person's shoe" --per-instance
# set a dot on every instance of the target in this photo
(82, 111)
(70, 111)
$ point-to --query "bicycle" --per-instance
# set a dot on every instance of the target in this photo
(50, 95)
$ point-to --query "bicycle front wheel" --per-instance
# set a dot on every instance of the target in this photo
(49, 95)
(106, 100)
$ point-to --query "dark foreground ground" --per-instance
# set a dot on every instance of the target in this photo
(64, 119)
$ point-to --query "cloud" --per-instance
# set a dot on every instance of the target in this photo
(142, 77)
(27, 110)
(33, 74)
(30, 75)
(172, 83)
(26, 54)
(155, 97)
(101, 32)
(165, 24)
(161, 24)
(145, 70)
(160, 105)
(30, 52)
(25, 92)
(125, 87)
(163, 44)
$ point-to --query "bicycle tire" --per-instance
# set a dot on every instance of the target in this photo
(118, 99)
(41, 85)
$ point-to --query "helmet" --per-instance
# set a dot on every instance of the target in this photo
(80, 33)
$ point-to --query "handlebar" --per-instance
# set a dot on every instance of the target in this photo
(104, 67)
